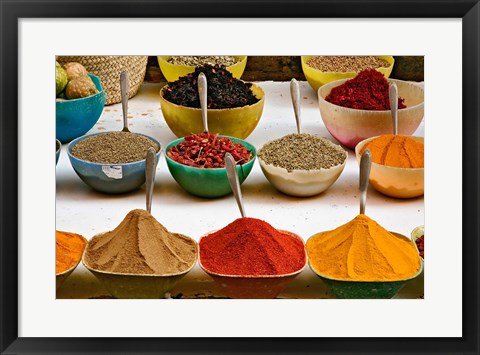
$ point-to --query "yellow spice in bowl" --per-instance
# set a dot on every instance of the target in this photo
(362, 250)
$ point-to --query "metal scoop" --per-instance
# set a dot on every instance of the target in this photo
(124, 90)
(150, 168)
(365, 165)
(295, 94)
(232, 175)
(393, 96)
(202, 93)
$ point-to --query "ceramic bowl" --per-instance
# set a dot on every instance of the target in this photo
(236, 122)
(62, 276)
(58, 149)
(211, 182)
(76, 117)
(417, 233)
(365, 289)
(172, 72)
(317, 78)
(253, 287)
(110, 178)
(394, 182)
(351, 126)
(301, 183)
(136, 286)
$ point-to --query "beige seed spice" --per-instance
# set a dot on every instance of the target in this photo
(197, 61)
(344, 64)
(113, 148)
(302, 152)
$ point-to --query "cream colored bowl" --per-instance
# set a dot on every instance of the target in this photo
(301, 183)
(351, 126)
(392, 181)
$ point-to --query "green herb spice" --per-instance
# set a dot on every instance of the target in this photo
(302, 152)
(113, 148)
(197, 61)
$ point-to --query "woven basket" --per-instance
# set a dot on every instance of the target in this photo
(108, 68)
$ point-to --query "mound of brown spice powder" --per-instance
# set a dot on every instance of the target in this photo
(141, 245)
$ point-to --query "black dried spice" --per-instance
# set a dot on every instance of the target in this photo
(223, 90)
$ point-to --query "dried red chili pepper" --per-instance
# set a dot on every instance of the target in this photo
(419, 242)
(367, 91)
(207, 150)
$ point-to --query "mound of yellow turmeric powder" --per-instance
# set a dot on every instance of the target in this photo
(397, 151)
(69, 250)
(362, 250)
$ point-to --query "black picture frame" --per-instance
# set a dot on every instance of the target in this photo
(12, 11)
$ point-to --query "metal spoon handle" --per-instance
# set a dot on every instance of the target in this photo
(365, 165)
(393, 94)
(234, 183)
(295, 93)
(124, 92)
(202, 93)
(150, 167)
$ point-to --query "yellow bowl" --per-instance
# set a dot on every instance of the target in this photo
(317, 78)
(136, 286)
(236, 122)
(392, 181)
(350, 126)
(172, 72)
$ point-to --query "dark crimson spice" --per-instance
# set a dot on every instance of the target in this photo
(223, 90)
(207, 150)
(367, 91)
(249, 246)
(419, 242)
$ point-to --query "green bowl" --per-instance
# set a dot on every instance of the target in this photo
(204, 182)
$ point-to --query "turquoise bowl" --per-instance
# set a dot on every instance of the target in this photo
(110, 178)
(76, 117)
(211, 182)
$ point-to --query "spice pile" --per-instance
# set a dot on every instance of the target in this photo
(198, 61)
(302, 152)
(367, 91)
(396, 151)
(346, 64)
(68, 250)
(419, 243)
(249, 246)
(362, 250)
(223, 90)
(207, 150)
(113, 148)
(141, 245)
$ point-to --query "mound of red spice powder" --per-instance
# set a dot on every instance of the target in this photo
(249, 246)
(367, 91)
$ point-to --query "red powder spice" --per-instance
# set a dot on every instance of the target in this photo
(249, 246)
(367, 91)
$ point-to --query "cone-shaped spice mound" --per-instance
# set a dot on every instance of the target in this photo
(141, 245)
(362, 250)
(250, 246)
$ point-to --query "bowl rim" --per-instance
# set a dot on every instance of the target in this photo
(259, 102)
(100, 92)
(162, 58)
(390, 60)
(59, 145)
(110, 273)
(78, 139)
(78, 261)
(370, 112)
(179, 140)
(316, 272)
(256, 276)
(365, 141)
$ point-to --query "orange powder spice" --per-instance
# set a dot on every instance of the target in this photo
(69, 250)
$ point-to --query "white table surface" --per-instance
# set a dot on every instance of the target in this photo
(79, 209)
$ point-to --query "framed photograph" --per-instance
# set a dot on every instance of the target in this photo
(150, 279)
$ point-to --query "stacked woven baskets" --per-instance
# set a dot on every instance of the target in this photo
(108, 68)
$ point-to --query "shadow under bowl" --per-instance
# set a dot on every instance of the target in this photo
(110, 178)
(392, 181)
(207, 182)
(235, 122)
(366, 289)
(351, 126)
(172, 72)
(250, 286)
(76, 117)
